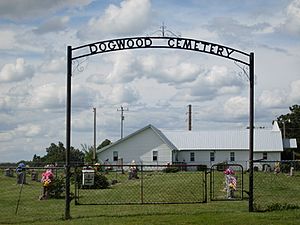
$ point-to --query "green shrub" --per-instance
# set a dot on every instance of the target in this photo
(222, 166)
(171, 169)
(100, 182)
(57, 188)
(201, 167)
(285, 167)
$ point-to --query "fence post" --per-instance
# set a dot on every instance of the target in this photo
(205, 185)
(142, 185)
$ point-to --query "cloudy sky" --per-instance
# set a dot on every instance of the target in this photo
(155, 85)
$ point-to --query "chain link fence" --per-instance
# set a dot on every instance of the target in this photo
(276, 185)
(141, 184)
(21, 195)
(226, 182)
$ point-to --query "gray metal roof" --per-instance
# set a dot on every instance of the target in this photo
(264, 140)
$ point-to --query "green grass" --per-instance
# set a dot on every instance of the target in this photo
(279, 189)
(157, 187)
(270, 189)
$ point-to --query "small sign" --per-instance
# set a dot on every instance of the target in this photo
(88, 177)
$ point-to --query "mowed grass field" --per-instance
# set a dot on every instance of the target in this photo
(151, 187)
(270, 189)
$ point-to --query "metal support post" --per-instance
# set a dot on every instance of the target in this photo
(251, 131)
(68, 132)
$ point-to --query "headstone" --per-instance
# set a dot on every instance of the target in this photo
(21, 177)
(9, 172)
(34, 176)
(291, 171)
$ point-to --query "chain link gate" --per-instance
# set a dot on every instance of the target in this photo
(142, 184)
(226, 182)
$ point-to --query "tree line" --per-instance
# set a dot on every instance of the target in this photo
(56, 155)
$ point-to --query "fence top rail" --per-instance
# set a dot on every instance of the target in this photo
(142, 165)
(31, 168)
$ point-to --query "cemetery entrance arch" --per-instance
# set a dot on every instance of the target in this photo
(105, 46)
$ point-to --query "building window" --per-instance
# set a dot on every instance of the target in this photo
(212, 156)
(232, 156)
(154, 155)
(265, 155)
(192, 156)
(115, 156)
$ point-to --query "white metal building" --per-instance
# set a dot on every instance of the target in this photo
(150, 145)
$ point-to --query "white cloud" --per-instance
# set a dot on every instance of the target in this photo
(7, 38)
(131, 16)
(8, 136)
(82, 96)
(218, 81)
(236, 107)
(48, 96)
(19, 39)
(83, 121)
(292, 22)
(278, 98)
(233, 31)
(294, 94)
(28, 130)
(16, 98)
(53, 25)
(24, 9)
(169, 68)
(272, 99)
(124, 69)
(54, 65)
(123, 94)
(164, 68)
(16, 72)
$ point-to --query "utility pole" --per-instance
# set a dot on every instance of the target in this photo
(122, 109)
(94, 152)
(190, 117)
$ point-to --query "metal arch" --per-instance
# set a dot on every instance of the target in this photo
(172, 43)
(112, 45)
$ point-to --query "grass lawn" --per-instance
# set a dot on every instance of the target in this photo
(33, 211)
(157, 187)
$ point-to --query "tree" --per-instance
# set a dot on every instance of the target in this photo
(57, 154)
(290, 126)
(37, 161)
(88, 154)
